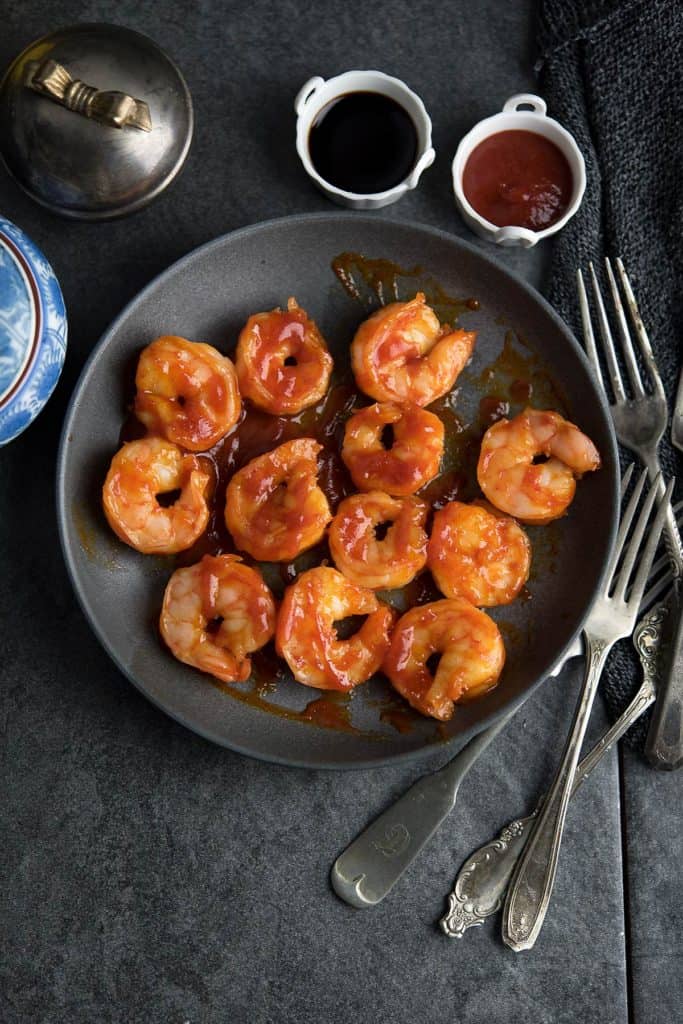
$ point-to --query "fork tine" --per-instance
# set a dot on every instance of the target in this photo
(588, 336)
(648, 554)
(635, 543)
(658, 584)
(605, 331)
(663, 562)
(631, 549)
(626, 520)
(627, 344)
(625, 481)
(641, 333)
(660, 577)
(654, 593)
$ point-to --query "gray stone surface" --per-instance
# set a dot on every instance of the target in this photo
(652, 856)
(146, 875)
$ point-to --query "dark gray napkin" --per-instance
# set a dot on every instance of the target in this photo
(612, 73)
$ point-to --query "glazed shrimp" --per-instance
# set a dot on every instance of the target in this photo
(222, 593)
(471, 652)
(307, 640)
(512, 480)
(403, 354)
(274, 507)
(478, 554)
(139, 473)
(187, 392)
(378, 541)
(404, 465)
(283, 364)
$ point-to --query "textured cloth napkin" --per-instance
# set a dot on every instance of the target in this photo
(612, 74)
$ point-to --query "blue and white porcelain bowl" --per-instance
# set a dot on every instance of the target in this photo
(32, 331)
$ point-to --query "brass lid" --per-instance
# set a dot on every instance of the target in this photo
(95, 121)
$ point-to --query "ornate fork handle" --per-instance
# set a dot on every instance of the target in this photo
(530, 890)
(664, 744)
(480, 887)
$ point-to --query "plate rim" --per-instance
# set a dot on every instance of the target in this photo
(450, 747)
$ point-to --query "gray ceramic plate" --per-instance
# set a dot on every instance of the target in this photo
(208, 296)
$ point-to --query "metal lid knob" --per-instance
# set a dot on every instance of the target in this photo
(95, 121)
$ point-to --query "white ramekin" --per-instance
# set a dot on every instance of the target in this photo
(317, 93)
(514, 118)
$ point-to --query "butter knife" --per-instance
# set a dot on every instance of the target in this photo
(371, 865)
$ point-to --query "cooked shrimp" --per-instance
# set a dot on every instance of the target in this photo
(409, 460)
(187, 392)
(471, 652)
(138, 475)
(403, 354)
(378, 541)
(306, 637)
(274, 508)
(479, 554)
(283, 363)
(515, 483)
(215, 614)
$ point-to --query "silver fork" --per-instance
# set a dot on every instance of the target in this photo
(612, 617)
(480, 885)
(640, 422)
(376, 859)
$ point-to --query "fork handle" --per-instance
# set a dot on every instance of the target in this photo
(481, 882)
(529, 893)
(664, 744)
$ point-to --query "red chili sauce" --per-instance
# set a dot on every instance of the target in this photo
(518, 178)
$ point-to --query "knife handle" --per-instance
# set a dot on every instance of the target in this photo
(369, 868)
(664, 744)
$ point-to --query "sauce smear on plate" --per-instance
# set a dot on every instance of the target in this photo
(518, 178)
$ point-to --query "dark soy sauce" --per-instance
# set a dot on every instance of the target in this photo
(363, 142)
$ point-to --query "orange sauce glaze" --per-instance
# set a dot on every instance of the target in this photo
(359, 275)
(259, 432)
(273, 382)
(271, 332)
(514, 379)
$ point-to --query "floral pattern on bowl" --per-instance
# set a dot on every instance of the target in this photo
(33, 331)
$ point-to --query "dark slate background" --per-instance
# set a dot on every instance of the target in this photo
(148, 876)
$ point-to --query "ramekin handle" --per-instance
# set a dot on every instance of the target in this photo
(525, 99)
(513, 235)
(306, 91)
(425, 161)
